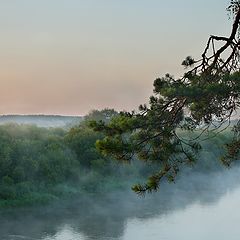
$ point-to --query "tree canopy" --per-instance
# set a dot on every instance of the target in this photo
(203, 100)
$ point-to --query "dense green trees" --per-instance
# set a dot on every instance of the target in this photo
(203, 101)
(33, 158)
(40, 164)
(104, 115)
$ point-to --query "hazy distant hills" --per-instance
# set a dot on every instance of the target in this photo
(55, 120)
(42, 120)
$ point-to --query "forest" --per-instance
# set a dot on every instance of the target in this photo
(39, 165)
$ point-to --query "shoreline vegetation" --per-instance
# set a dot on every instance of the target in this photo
(40, 165)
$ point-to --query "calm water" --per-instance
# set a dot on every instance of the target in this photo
(196, 207)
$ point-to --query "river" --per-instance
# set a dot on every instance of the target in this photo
(197, 206)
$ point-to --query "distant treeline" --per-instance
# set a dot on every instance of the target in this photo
(40, 164)
(42, 120)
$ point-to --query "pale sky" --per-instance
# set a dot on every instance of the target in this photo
(71, 56)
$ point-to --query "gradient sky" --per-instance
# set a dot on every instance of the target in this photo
(70, 56)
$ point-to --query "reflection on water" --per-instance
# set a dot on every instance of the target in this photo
(219, 221)
(196, 207)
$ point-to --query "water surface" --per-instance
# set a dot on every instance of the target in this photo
(198, 206)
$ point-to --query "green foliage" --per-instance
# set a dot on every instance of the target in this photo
(233, 147)
(39, 165)
(104, 115)
(31, 158)
(82, 141)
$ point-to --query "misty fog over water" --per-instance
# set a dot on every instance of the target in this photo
(198, 206)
